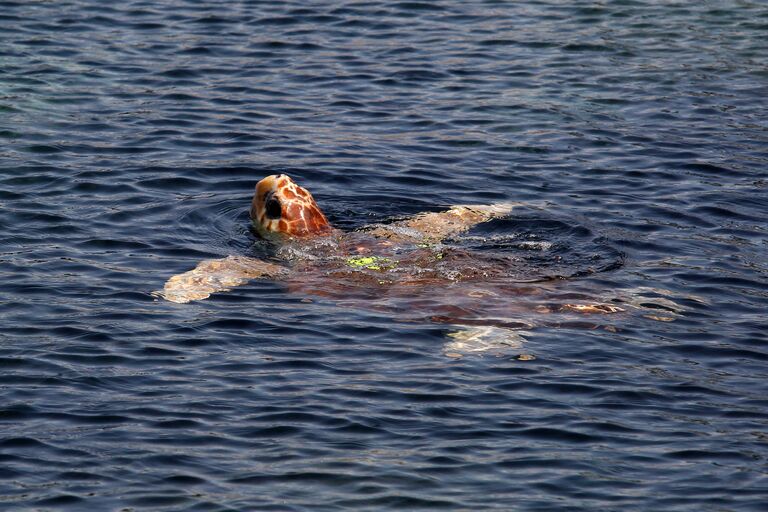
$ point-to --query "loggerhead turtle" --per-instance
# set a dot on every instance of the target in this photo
(403, 266)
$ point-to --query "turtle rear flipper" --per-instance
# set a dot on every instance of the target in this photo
(211, 276)
(437, 226)
(478, 339)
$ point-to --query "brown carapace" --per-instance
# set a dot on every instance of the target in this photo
(280, 206)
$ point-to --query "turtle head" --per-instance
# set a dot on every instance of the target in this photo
(280, 206)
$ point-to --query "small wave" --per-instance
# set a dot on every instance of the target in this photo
(544, 247)
(218, 226)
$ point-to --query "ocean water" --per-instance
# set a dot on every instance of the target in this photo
(633, 132)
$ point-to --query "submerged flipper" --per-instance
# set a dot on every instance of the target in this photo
(436, 226)
(212, 276)
(478, 339)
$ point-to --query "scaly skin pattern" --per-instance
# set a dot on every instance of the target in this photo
(210, 276)
(436, 226)
(280, 206)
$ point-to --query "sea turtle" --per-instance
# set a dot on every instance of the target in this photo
(406, 266)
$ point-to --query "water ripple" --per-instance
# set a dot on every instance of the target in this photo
(634, 133)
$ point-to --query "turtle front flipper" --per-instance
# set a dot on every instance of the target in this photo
(211, 276)
(437, 226)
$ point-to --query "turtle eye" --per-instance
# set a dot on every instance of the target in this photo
(273, 209)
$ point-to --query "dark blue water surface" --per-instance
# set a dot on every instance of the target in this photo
(132, 134)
